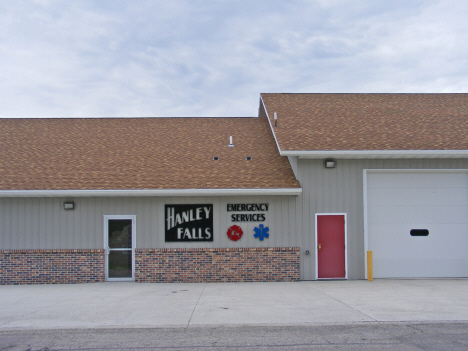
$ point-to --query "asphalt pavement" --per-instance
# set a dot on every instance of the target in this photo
(365, 336)
(146, 305)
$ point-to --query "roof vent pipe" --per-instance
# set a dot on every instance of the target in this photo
(275, 116)
(230, 142)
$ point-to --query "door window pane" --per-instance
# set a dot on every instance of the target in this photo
(120, 233)
(120, 264)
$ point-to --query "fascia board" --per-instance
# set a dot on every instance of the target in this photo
(369, 154)
(155, 192)
(269, 122)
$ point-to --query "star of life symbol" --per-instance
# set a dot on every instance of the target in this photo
(261, 232)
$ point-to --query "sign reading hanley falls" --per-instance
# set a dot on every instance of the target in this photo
(189, 223)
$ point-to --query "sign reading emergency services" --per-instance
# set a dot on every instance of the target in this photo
(248, 216)
(189, 222)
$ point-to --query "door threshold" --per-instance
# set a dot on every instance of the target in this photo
(119, 281)
(111, 280)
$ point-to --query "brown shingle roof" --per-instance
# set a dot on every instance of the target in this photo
(140, 153)
(369, 121)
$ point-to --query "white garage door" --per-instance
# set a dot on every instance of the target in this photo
(417, 223)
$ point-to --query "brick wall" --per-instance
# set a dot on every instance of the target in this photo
(152, 265)
(51, 266)
(217, 265)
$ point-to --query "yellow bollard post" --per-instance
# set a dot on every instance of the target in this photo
(370, 271)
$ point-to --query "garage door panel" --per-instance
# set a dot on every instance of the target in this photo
(417, 179)
(400, 201)
(417, 248)
(421, 214)
(390, 232)
(456, 196)
(422, 268)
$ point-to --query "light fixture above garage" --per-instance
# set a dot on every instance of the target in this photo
(68, 205)
(329, 163)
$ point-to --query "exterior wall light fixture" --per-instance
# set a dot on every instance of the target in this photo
(68, 205)
(329, 163)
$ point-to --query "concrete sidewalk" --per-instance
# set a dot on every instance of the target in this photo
(184, 305)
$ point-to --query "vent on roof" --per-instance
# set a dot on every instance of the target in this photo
(216, 158)
(275, 116)
(249, 158)
(230, 142)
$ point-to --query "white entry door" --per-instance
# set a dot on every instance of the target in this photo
(119, 243)
(417, 223)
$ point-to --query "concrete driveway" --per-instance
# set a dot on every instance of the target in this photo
(183, 305)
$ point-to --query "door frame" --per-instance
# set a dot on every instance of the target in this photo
(345, 239)
(106, 250)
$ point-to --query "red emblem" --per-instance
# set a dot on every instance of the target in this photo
(234, 233)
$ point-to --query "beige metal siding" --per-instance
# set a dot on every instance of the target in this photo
(341, 190)
(41, 223)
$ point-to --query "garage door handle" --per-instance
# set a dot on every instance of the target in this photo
(320, 247)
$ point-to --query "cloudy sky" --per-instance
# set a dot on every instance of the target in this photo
(108, 58)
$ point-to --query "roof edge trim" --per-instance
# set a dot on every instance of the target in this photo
(149, 192)
(378, 154)
(269, 122)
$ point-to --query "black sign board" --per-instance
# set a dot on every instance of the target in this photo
(189, 223)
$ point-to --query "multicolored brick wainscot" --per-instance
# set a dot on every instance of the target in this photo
(277, 264)
(51, 266)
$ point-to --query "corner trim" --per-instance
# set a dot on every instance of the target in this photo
(271, 127)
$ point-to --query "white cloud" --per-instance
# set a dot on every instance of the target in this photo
(213, 58)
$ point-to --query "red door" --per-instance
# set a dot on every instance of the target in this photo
(331, 259)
